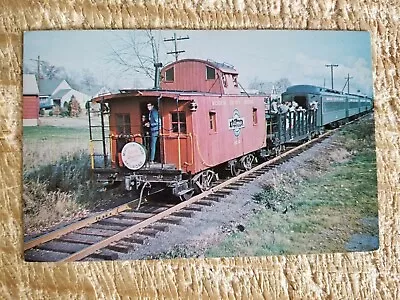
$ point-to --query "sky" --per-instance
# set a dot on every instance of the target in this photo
(265, 55)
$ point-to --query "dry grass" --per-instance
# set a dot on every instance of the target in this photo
(43, 208)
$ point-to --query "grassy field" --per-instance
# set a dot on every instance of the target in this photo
(318, 208)
(47, 144)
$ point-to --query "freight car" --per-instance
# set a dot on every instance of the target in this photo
(200, 124)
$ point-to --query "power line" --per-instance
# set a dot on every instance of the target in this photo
(175, 39)
(331, 66)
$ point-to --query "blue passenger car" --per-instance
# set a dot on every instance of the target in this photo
(334, 107)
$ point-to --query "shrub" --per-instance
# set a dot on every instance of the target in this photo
(72, 175)
(42, 208)
(56, 110)
(64, 114)
(51, 113)
(74, 107)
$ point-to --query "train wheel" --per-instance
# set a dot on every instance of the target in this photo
(278, 150)
(247, 161)
(234, 168)
(186, 196)
(202, 181)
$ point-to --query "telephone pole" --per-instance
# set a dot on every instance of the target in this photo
(175, 39)
(38, 69)
(331, 66)
(348, 83)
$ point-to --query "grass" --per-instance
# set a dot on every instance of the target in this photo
(54, 133)
(47, 144)
(57, 178)
(43, 207)
(317, 208)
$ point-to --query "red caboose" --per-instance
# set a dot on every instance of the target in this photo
(204, 125)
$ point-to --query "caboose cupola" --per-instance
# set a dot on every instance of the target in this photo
(198, 75)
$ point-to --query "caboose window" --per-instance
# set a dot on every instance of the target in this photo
(123, 122)
(169, 74)
(213, 121)
(178, 122)
(255, 120)
(210, 73)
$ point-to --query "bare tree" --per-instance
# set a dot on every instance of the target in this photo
(281, 85)
(88, 79)
(261, 86)
(50, 71)
(135, 52)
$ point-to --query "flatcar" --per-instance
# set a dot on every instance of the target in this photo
(195, 124)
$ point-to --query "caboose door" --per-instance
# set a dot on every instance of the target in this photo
(177, 141)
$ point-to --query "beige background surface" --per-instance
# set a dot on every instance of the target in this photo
(373, 275)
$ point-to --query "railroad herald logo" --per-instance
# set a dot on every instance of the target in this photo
(236, 123)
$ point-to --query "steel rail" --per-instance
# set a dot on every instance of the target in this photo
(75, 226)
(104, 243)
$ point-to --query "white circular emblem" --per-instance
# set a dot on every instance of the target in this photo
(133, 156)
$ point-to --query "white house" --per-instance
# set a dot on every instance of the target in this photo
(65, 95)
(57, 92)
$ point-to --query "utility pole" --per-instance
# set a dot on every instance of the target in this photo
(175, 39)
(38, 69)
(331, 66)
(348, 83)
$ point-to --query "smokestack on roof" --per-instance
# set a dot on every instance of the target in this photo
(157, 67)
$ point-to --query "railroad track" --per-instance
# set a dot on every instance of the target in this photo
(123, 228)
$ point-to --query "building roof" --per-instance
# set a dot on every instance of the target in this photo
(60, 93)
(47, 86)
(29, 85)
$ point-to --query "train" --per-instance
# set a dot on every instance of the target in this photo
(207, 126)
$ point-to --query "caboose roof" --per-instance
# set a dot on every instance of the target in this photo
(145, 93)
(223, 67)
(126, 93)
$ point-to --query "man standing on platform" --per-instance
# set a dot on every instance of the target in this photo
(154, 125)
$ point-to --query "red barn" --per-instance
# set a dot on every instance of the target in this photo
(30, 100)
